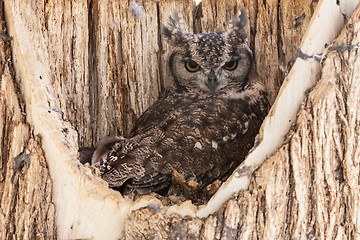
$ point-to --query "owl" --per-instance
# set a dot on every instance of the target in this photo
(202, 127)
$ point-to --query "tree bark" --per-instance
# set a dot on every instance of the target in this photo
(73, 72)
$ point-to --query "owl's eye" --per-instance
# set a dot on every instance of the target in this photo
(231, 65)
(192, 66)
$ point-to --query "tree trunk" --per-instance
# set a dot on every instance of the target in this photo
(73, 72)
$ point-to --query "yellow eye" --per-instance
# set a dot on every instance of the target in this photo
(192, 66)
(231, 65)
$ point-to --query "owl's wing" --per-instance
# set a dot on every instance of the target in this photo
(154, 115)
(130, 176)
(132, 165)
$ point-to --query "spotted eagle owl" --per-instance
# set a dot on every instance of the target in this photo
(202, 127)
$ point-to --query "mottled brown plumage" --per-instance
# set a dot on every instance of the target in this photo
(203, 127)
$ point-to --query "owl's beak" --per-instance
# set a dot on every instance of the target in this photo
(212, 82)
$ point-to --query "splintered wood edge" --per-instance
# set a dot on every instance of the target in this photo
(324, 27)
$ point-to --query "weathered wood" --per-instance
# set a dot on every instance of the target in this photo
(88, 69)
(26, 207)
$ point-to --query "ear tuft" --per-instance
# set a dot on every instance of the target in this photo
(238, 23)
(175, 30)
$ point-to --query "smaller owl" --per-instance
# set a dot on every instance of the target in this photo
(203, 127)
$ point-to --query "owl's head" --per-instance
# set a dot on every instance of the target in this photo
(209, 62)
